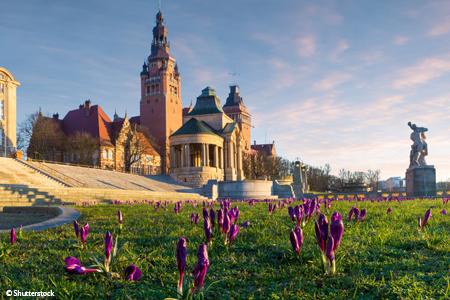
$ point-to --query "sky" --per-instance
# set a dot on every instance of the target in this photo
(329, 81)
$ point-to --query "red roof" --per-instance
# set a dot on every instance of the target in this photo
(89, 119)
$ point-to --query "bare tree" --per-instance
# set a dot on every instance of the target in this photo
(83, 147)
(137, 145)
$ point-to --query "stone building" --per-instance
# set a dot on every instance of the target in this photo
(209, 145)
(8, 85)
(264, 149)
(91, 138)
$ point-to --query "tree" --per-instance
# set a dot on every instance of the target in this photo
(25, 131)
(83, 147)
(46, 141)
(137, 145)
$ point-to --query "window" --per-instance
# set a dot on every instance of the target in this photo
(148, 90)
(2, 87)
(2, 137)
(110, 154)
(2, 109)
(104, 154)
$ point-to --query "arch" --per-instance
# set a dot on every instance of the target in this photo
(9, 75)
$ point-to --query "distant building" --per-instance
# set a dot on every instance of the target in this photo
(8, 85)
(91, 138)
(209, 145)
(395, 184)
(264, 149)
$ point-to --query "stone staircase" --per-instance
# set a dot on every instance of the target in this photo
(22, 184)
(22, 195)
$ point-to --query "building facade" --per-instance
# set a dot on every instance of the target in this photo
(8, 86)
(160, 105)
(209, 145)
(87, 136)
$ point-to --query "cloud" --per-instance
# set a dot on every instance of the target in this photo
(440, 29)
(331, 81)
(341, 47)
(426, 70)
(401, 40)
(306, 46)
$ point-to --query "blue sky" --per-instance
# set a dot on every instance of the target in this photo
(329, 81)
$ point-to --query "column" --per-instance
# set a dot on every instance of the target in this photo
(221, 164)
(182, 157)
(188, 155)
(216, 156)
(207, 154)
(230, 155)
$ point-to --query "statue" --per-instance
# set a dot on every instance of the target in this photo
(419, 149)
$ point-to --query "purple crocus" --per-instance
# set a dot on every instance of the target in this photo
(362, 215)
(389, 210)
(426, 218)
(298, 212)
(220, 218)
(192, 219)
(233, 233)
(205, 213)
(226, 224)
(133, 273)
(84, 233)
(76, 228)
(196, 219)
(443, 212)
(245, 224)
(336, 229)
(73, 266)
(212, 216)
(13, 236)
(331, 263)
(201, 267)
(296, 237)
(108, 249)
(321, 228)
(291, 213)
(208, 230)
(181, 261)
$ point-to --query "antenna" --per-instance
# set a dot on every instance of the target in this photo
(159, 5)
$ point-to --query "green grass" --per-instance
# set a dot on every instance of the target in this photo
(383, 257)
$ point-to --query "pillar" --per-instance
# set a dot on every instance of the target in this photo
(188, 155)
(230, 155)
(221, 164)
(207, 154)
(182, 156)
(216, 156)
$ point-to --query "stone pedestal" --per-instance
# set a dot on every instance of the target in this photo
(421, 181)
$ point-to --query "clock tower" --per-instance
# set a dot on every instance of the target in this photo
(160, 106)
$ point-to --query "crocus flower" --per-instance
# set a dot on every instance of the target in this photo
(220, 218)
(226, 224)
(192, 218)
(321, 228)
(133, 273)
(13, 236)
(362, 215)
(205, 213)
(181, 261)
(331, 264)
(336, 229)
(196, 219)
(443, 212)
(245, 224)
(426, 218)
(201, 267)
(291, 213)
(208, 230)
(233, 233)
(296, 237)
(108, 249)
(298, 212)
(212, 216)
(73, 266)
(76, 228)
(389, 210)
(83, 234)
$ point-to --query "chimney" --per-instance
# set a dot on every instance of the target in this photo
(254, 142)
(56, 116)
(87, 103)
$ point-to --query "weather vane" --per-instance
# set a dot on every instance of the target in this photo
(233, 76)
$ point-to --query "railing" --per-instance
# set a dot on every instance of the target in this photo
(69, 181)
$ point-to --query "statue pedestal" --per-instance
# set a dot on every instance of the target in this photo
(421, 181)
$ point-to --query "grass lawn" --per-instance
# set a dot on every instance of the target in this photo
(383, 257)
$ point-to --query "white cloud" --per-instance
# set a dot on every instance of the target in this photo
(401, 40)
(426, 70)
(306, 46)
(331, 81)
(440, 29)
